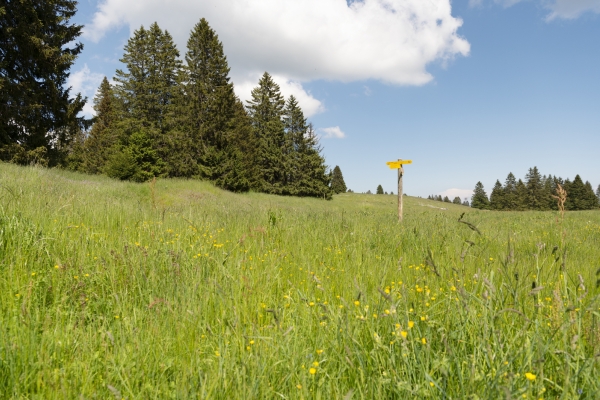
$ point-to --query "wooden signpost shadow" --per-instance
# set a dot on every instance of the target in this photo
(399, 166)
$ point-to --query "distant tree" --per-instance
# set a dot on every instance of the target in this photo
(590, 197)
(466, 202)
(509, 199)
(379, 190)
(439, 197)
(369, 192)
(535, 199)
(521, 196)
(38, 114)
(479, 199)
(497, 197)
(337, 181)
(598, 193)
(447, 199)
(457, 201)
(391, 192)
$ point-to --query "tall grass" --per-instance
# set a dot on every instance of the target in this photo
(176, 289)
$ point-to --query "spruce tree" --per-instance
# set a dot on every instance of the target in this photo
(337, 181)
(294, 147)
(591, 201)
(210, 110)
(479, 198)
(266, 112)
(38, 115)
(457, 200)
(598, 192)
(379, 190)
(535, 190)
(521, 196)
(497, 197)
(102, 136)
(148, 84)
(509, 200)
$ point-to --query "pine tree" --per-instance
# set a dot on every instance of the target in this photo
(521, 196)
(102, 137)
(379, 190)
(266, 113)
(337, 181)
(578, 195)
(313, 179)
(480, 199)
(210, 110)
(148, 85)
(294, 147)
(497, 197)
(591, 201)
(535, 190)
(38, 116)
(457, 200)
(509, 200)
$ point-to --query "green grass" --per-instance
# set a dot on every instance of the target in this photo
(181, 290)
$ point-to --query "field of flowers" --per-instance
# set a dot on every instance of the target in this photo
(176, 289)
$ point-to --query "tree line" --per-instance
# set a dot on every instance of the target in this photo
(446, 199)
(162, 116)
(536, 193)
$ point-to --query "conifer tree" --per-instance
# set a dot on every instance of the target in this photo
(509, 200)
(148, 84)
(38, 115)
(535, 190)
(457, 200)
(466, 202)
(210, 110)
(447, 199)
(479, 198)
(598, 193)
(337, 181)
(266, 112)
(102, 136)
(497, 197)
(379, 190)
(591, 201)
(521, 196)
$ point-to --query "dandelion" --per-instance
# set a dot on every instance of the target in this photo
(217, 354)
(530, 376)
(312, 371)
(116, 317)
(411, 324)
(319, 351)
(424, 341)
(356, 303)
(312, 303)
(404, 334)
(315, 364)
(299, 386)
(33, 274)
(423, 318)
(431, 384)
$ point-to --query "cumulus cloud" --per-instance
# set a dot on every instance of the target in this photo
(333, 132)
(310, 105)
(462, 193)
(85, 82)
(392, 41)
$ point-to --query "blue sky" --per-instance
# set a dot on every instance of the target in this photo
(469, 90)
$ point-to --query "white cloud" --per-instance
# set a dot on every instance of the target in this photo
(85, 82)
(310, 105)
(571, 9)
(475, 3)
(462, 193)
(333, 132)
(391, 41)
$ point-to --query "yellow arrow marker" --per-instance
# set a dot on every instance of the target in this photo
(398, 164)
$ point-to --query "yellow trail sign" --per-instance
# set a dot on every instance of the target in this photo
(398, 164)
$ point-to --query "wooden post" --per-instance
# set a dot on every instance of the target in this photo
(400, 173)
(399, 166)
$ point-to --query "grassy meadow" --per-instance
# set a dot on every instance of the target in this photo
(177, 290)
